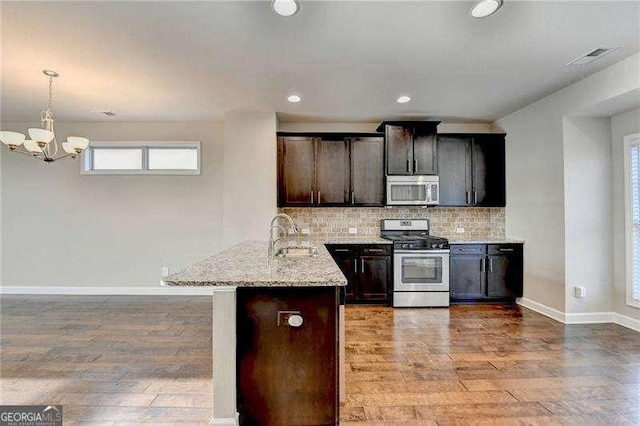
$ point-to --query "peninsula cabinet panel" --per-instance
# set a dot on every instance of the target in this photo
(367, 171)
(332, 172)
(399, 150)
(346, 261)
(296, 174)
(287, 375)
(454, 168)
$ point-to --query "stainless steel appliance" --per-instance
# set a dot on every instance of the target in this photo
(420, 263)
(413, 190)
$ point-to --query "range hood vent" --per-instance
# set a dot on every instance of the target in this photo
(592, 56)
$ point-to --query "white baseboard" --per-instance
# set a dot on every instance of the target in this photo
(628, 322)
(107, 291)
(581, 318)
(543, 309)
(589, 317)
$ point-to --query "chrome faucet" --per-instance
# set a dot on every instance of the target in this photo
(292, 226)
(274, 226)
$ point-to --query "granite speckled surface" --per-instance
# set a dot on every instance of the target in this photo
(476, 240)
(246, 265)
(357, 240)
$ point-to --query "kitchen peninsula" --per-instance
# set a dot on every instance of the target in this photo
(276, 329)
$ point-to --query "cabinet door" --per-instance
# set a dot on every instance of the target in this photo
(297, 171)
(375, 278)
(467, 277)
(399, 150)
(488, 171)
(497, 277)
(424, 152)
(454, 169)
(332, 172)
(348, 264)
(367, 171)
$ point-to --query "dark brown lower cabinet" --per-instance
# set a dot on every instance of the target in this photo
(367, 269)
(491, 272)
(287, 375)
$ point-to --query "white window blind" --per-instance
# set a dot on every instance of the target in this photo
(632, 187)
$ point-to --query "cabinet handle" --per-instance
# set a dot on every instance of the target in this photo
(466, 195)
(353, 198)
(311, 197)
(408, 165)
(490, 265)
(318, 197)
(415, 165)
(506, 250)
(482, 267)
(362, 266)
(341, 250)
(355, 266)
(374, 250)
(475, 197)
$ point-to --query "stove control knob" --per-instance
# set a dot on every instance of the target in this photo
(434, 245)
(404, 246)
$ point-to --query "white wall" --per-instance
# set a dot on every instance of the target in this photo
(621, 126)
(61, 228)
(250, 176)
(535, 175)
(588, 212)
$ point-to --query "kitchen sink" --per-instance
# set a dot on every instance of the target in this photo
(298, 252)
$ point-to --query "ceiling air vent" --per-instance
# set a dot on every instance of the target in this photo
(593, 55)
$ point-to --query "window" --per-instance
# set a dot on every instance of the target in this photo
(127, 158)
(632, 216)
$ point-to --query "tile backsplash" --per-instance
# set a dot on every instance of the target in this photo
(335, 222)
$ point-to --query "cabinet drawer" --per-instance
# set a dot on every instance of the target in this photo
(468, 249)
(514, 249)
(342, 250)
(381, 250)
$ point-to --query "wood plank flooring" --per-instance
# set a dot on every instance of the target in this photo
(135, 360)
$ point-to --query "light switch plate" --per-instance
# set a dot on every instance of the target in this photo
(305, 231)
(353, 230)
(459, 230)
(165, 271)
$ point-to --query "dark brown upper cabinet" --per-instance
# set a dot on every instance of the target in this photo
(411, 147)
(472, 170)
(330, 170)
(296, 174)
(367, 171)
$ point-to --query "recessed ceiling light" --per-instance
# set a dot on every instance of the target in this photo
(403, 99)
(294, 99)
(285, 7)
(484, 8)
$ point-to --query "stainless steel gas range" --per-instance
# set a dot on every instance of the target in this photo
(420, 263)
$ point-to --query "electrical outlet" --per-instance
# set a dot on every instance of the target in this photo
(305, 231)
(459, 230)
(165, 271)
(580, 291)
(353, 230)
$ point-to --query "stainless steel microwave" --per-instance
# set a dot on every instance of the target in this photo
(413, 190)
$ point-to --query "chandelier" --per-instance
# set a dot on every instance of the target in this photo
(42, 143)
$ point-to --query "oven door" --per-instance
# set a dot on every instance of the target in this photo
(418, 270)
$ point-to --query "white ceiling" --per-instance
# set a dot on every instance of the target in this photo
(348, 60)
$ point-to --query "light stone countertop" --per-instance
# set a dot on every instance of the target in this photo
(246, 265)
(481, 240)
(357, 240)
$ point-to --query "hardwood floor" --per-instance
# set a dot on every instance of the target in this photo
(135, 360)
(487, 364)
